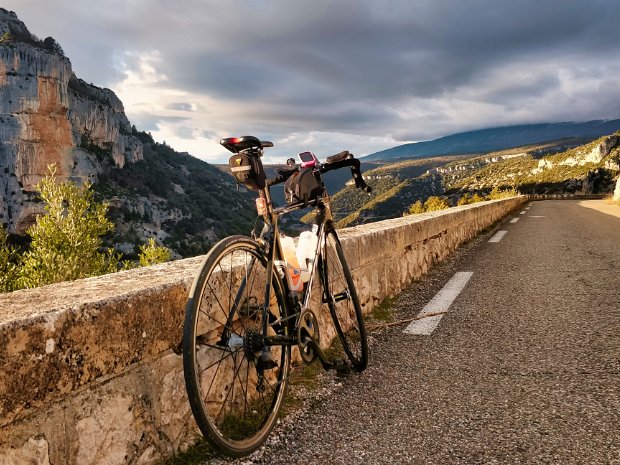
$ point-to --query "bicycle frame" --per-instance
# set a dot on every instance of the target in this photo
(270, 238)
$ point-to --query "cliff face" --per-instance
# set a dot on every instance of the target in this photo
(48, 116)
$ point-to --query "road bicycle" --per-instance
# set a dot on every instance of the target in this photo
(244, 313)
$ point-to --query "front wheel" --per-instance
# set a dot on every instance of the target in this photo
(344, 307)
(235, 382)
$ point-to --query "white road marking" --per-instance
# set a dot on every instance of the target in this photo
(522, 213)
(499, 235)
(514, 220)
(438, 304)
(536, 216)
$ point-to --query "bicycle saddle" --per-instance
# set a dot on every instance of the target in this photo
(238, 144)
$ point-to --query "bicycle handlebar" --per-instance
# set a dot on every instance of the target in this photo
(340, 160)
(343, 159)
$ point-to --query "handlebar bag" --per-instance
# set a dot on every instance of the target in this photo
(302, 186)
(248, 170)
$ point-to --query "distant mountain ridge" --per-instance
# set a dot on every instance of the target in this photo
(501, 138)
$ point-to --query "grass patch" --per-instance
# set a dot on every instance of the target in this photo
(195, 455)
(383, 311)
(302, 378)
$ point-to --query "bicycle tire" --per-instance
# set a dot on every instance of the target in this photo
(343, 302)
(221, 356)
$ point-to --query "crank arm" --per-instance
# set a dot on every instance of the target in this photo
(327, 364)
(341, 367)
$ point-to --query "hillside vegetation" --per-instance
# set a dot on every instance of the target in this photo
(545, 168)
(184, 202)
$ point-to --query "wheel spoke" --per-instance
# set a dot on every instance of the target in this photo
(227, 394)
(225, 325)
(224, 357)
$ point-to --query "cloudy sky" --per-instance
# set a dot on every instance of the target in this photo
(321, 75)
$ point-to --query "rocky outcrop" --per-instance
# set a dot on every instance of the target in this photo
(594, 153)
(48, 116)
(617, 191)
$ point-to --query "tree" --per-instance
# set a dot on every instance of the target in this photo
(67, 240)
(152, 254)
(435, 203)
(416, 208)
(50, 44)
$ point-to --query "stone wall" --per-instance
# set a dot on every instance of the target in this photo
(90, 372)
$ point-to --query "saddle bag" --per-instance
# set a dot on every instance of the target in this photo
(302, 186)
(248, 170)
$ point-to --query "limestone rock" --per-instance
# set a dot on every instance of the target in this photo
(602, 150)
(108, 433)
(32, 452)
(545, 164)
(48, 116)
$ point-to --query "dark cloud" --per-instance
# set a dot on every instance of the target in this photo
(413, 69)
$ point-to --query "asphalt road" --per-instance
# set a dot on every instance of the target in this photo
(523, 368)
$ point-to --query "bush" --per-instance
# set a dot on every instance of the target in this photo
(435, 203)
(464, 200)
(6, 37)
(67, 240)
(152, 254)
(9, 261)
(496, 193)
(416, 208)
(469, 199)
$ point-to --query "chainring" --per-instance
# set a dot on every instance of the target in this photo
(307, 331)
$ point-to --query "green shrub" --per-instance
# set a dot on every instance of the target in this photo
(9, 260)
(6, 37)
(416, 208)
(67, 240)
(465, 200)
(497, 193)
(152, 254)
(435, 203)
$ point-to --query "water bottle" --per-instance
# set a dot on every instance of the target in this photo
(306, 248)
(292, 265)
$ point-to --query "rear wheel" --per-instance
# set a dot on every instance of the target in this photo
(341, 296)
(235, 383)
